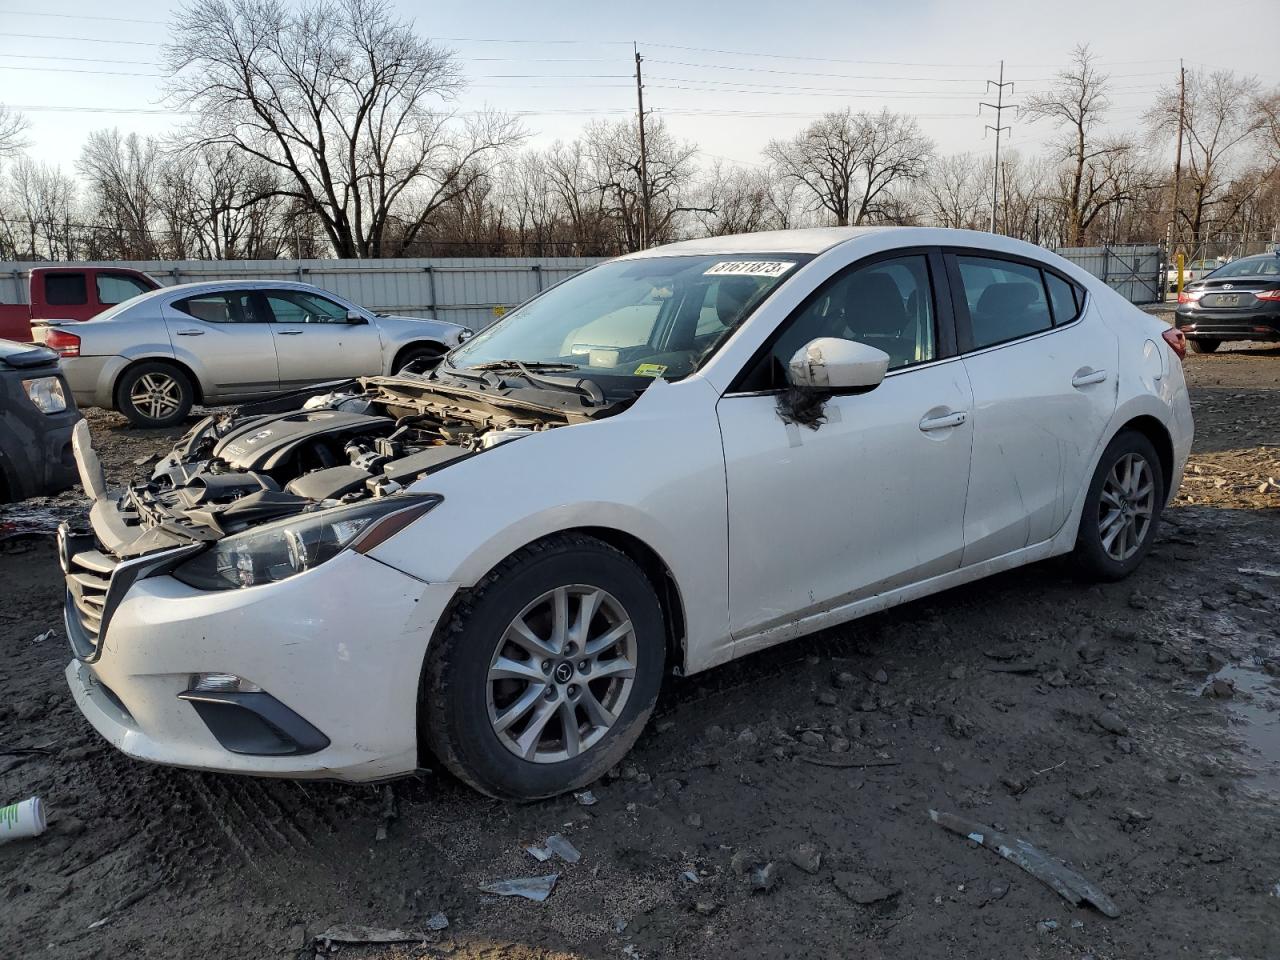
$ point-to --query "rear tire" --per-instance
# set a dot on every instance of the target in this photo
(502, 684)
(155, 394)
(1121, 509)
(1204, 346)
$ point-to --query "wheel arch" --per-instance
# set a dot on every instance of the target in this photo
(435, 346)
(1160, 437)
(196, 388)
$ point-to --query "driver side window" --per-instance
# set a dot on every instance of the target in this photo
(887, 305)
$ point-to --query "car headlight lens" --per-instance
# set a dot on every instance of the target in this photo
(277, 551)
(46, 393)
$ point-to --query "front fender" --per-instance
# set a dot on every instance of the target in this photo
(654, 472)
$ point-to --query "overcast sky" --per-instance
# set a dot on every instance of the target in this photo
(723, 75)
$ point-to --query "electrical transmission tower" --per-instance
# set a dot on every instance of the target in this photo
(999, 107)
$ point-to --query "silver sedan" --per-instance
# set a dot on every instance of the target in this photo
(154, 356)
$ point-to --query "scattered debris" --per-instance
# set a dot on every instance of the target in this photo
(353, 933)
(1046, 926)
(22, 820)
(688, 876)
(541, 854)
(42, 637)
(531, 888)
(807, 857)
(586, 798)
(1258, 572)
(1069, 884)
(563, 849)
(764, 877)
(863, 889)
(388, 812)
(843, 760)
(437, 922)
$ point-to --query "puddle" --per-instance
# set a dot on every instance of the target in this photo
(27, 518)
(1255, 723)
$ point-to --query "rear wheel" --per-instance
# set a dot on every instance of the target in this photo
(1121, 508)
(155, 394)
(417, 359)
(547, 670)
(1204, 346)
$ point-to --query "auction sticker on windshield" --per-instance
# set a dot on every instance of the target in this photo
(750, 268)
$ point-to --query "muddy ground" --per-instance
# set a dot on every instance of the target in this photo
(1069, 715)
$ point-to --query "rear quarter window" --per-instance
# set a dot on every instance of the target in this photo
(65, 289)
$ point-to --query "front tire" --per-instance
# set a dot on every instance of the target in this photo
(546, 672)
(1121, 509)
(155, 394)
(1204, 346)
(418, 359)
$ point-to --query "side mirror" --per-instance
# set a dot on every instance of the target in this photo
(354, 317)
(830, 363)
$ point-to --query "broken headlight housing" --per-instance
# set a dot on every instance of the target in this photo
(277, 551)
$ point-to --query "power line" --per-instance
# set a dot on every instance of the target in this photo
(77, 16)
(45, 36)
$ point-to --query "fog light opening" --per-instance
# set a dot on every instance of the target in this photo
(222, 683)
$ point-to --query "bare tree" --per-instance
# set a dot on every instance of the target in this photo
(738, 200)
(1220, 115)
(121, 173)
(37, 212)
(13, 132)
(849, 162)
(336, 95)
(1077, 104)
(953, 190)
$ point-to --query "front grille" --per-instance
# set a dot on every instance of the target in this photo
(88, 580)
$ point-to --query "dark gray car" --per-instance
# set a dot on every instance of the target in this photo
(35, 430)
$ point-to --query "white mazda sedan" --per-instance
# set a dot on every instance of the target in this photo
(671, 460)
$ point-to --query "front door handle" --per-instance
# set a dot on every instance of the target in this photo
(191, 333)
(289, 333)
(1087, 376)
(943, 422)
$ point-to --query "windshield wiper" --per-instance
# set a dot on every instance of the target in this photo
(584, 387)
(524, 366)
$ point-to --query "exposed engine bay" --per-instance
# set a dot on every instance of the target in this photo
(367, 440)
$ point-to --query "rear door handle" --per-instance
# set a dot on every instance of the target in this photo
(191, 333)
(289, 333)
(1087, 376)
(943, 422)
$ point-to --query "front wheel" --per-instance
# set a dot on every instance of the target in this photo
(418, 359)
(1203, 346)
(547, 670)
(1121, 508)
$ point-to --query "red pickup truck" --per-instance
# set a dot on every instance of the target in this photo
(64, 293)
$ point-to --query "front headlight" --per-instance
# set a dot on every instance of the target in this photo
(46, 393)
(286, 548)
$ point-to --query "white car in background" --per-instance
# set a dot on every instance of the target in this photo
(155, 355)
(661, 464)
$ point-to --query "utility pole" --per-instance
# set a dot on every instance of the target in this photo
(644, 156)
(999, 107)
(1177, 163)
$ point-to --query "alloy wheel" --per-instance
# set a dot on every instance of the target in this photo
(561, 674)
(156, 395)
(1126, 506)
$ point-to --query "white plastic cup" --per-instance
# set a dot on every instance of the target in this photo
(19, 820)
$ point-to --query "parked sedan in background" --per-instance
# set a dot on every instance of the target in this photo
(668, 461)
(1238, 301)
(1191, 271)
(154, 356)
(37, 415)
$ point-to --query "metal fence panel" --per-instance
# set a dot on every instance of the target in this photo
(1134, 271)
(466, 290)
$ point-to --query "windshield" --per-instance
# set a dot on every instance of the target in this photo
(1251, 267)
(652, 317)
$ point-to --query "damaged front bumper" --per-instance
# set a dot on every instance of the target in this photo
(330, 658)
(335, 655)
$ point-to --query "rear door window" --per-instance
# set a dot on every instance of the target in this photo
(1064, 298)
(1006, 300)
(233, 306)
(116, 288)
(65, 289)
